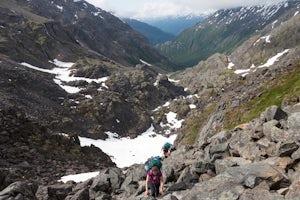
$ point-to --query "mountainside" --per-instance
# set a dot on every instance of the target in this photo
(175, 25)
(223, 32)
(70, 28)
(153, 34)
(67, 67)
(239, 114)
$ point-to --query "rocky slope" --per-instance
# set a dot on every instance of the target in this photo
(223, 31)
(233, 143)
(257, 160)
(38, 39)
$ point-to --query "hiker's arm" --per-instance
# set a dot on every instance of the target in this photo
(146, 185)
(161, 189)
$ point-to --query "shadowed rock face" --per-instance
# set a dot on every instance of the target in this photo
(30, 152)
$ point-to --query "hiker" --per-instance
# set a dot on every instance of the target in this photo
(155, 181)
(167, 149)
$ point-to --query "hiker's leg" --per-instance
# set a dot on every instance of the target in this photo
(157, 189)
(153, 189)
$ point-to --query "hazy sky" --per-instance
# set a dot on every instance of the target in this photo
(159, 8)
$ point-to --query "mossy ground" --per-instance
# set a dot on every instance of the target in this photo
(286, 87)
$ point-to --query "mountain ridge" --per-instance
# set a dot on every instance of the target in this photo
(222, 32)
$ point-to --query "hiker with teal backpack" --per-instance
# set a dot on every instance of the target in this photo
(154, 178)
(167, 148)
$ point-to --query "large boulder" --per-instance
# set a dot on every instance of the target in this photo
(252, 174)
(108, 180)
(19, 190)
(219, 187)
(273, 113)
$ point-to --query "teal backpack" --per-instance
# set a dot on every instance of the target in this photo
(154, 161)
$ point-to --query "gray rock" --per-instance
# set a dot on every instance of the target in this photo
(273, 133)
(287, 148)
(262, 171)
(188, 176)
(250, 151)
(260, 193)
(222, 186)
(19, 190)
(273, 113)
(222, 165)
(133, 175)
(82, 194)
(293, 121)
(108, 180)
(220, 137)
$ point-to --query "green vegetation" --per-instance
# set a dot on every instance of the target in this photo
(193, 127)
(284, 88)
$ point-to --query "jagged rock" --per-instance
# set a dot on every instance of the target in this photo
(178, 186)
(260, 193)
(293, 124)
(134, 175)
(220, 137)
(281, 162)
(108, 180)
(169, 197)
(287, 148)
(19, 190)
(250, 151)
(256, 129)
(296, 155)
(294, 188)
(58, 191)
(221, 186)
(273, 133)
(273, 113)
(262, 171)
(188, 176)
(82, 194)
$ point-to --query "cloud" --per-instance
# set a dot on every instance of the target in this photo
(141, 9)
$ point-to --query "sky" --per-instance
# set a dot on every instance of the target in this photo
(143, 9)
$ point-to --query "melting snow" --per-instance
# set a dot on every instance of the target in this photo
(230, 65)
(79, 177)
(270, 62)
(173, 80)
(144, 62)
(126, 151)
(192, 106)
(62, 72)
(59, 7)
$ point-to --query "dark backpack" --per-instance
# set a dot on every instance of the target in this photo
(154, 161)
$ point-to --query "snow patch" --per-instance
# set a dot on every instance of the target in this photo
(79, 177)
(125, 151)
(144, 62)
(62, 72)
(253, 68)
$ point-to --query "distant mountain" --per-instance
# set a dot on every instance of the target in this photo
(153, 34)
(78, 25)
(223, 32)
(175, 25)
